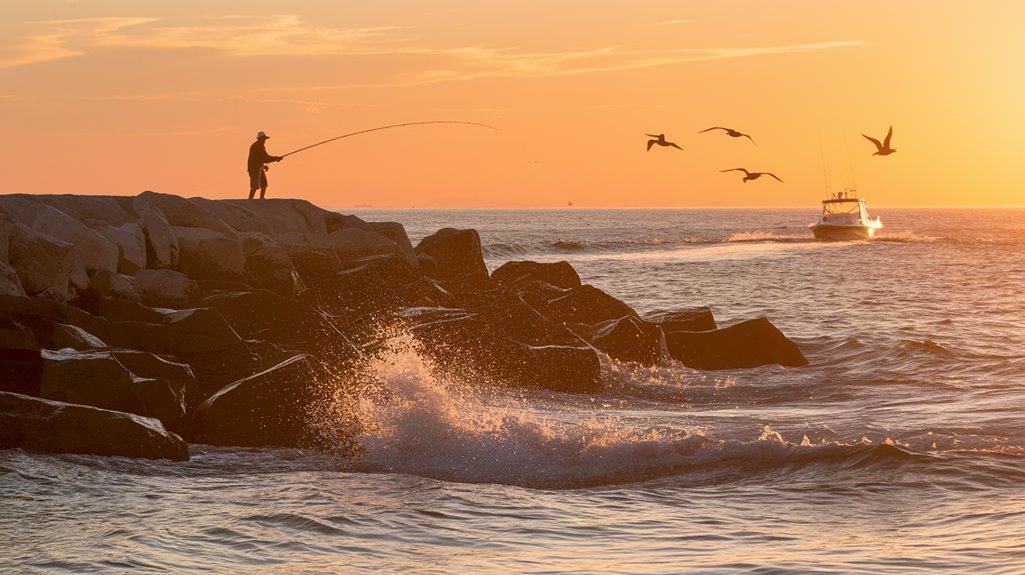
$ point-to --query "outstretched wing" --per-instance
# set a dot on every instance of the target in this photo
(750, 138)
(651, 143)
(735, 170)
(713, 128)
(773, 175)
(878, 144)
(675, 146)
(653, 135)
(886, 142)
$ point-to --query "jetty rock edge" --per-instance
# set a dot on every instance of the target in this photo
(132, 325)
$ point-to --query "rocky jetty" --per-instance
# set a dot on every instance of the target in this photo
(130, 323)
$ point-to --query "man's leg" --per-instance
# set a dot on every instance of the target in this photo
(263, 191)
(252, 191)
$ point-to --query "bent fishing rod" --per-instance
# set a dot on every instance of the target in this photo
(387, 128)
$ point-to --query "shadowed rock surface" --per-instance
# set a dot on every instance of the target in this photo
(256, 323)
(56, 427)
(749, 343)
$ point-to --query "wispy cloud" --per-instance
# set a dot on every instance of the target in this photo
(473, 63)
(282, 35)
(290, 35)
(671, 22)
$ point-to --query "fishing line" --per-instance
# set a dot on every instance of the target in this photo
(387, 128)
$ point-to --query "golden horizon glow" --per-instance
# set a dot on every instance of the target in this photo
(117, 97)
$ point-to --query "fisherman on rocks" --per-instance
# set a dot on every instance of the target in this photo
(257, 165)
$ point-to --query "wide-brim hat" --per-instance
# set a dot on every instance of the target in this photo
(262, 135)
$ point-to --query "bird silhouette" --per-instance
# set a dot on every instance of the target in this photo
(660, 139)
(883, 149)
(731, 133)
(751, 175)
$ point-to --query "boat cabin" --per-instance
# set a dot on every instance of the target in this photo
(842, 207)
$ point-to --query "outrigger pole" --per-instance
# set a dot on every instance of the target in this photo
(388, 128)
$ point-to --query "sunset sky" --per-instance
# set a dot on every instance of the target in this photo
(119, 96)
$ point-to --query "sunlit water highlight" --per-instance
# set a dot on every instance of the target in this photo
(900, 449)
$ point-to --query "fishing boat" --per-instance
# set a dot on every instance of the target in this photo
(845, 217)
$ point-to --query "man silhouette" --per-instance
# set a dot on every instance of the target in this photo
(256, 166)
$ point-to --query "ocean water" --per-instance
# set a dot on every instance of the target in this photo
(900, 448)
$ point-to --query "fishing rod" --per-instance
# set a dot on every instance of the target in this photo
(387, 128)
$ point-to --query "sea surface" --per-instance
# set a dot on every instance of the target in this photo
(900, 448)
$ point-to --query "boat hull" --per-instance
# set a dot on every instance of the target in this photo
(842, 233)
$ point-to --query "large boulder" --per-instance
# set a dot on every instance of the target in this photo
(161, 243)
(290, 323)
(16, 335)
(396, 232)
(747, 344)
(99, 379)
(694, 319)
(9, 282)
(237, 215)
(21, 370)
(280, 407)
(179, 376)
(55, 427)
(564, 368)
(355, 243)
(506, 314)
(629, 339)
(269, 265)
(105, 284)
(95, 251)
(46, 266)
(93, 211)
(289, 221)
(466, 345)
(199, 330)
(182, 333)
(116, 309)
(217, 368)
(131, 243)
(42, 315)
(518, 274)
(181, 212)
(375, 286)
(73, 337)
(164, 288)
(206, 254)
(585, 304)
(457, 257)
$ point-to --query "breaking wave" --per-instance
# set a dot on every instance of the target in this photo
(426, 425)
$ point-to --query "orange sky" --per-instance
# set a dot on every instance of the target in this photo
(120, 96)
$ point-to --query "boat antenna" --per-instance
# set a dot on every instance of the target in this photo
(850, 168)
(825, 169)
(388, 127)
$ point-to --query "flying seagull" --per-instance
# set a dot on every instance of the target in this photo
(751, 175)
(730, 132)
(660, 139)
(883, 149)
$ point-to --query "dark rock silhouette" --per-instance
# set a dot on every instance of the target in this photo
(52, 426)
(747, 344)
(257, 323)
(457, 255)
(517, 274)
(629, 339)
